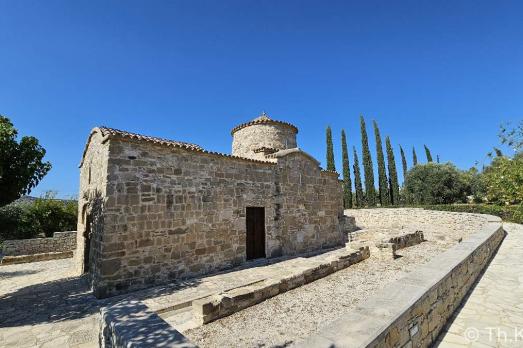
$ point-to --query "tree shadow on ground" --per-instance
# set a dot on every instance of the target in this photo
(71, 298)
(7, 275)
(63, 299)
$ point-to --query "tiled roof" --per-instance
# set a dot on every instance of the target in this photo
(264, 119)
(106, 131)
(111, 133)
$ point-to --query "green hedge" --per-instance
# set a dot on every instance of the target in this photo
(510, 213)
(42, 217)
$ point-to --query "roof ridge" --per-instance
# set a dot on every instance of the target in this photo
(108, 132)
(263, 119)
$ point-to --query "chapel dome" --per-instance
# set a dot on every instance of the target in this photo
(262, 136)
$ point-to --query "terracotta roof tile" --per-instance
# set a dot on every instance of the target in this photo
(108, 133)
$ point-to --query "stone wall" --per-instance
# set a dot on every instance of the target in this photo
(61, 241)
(91, 198)
(412, 311)
(312, 204)
(167, 213)
(250, 141)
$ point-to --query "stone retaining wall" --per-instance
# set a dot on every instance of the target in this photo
(60, 242)
(11, 260)
(412, 311)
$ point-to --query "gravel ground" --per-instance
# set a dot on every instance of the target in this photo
(290, 317)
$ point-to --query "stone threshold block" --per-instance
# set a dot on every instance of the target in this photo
(220, 305)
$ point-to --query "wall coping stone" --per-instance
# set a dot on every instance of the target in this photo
(131, 324)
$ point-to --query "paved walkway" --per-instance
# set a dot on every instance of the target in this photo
(42, 304)
(492, 316)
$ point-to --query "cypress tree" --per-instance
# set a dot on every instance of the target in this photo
(330, 151)
(360, 199)
(437, 158)
(428, 154)
(347, 182)
(414, 157)
(382, 172)
(393, 174)
(370, 194)
(403, 163)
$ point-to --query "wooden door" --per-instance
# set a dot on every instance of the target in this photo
(255, 232)
(87, 245)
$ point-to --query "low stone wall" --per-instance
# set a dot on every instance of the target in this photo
(412, 311)
(131, 324)
(390, 246)
(61, 241)
(214, 307)
(407, 240)
(11, 260)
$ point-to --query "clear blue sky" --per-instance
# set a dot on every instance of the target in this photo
(444, 73)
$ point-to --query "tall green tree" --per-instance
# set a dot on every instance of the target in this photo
(403, 163)
(428, 154)
(347, 182)
(414, 157)
(370, 191)
(21, 163)
(393, 174)
(512, 136)
(330, 151)
(360, 198)
(383, 189)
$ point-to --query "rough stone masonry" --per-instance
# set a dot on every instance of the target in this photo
(154, 210)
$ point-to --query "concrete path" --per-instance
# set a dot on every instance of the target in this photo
(492, 315)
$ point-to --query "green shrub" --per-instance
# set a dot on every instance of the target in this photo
(435, 183)
(504, 179)
(511, 213)
(475, 180)
(45, 215)
(53, 215)
(17, 222)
